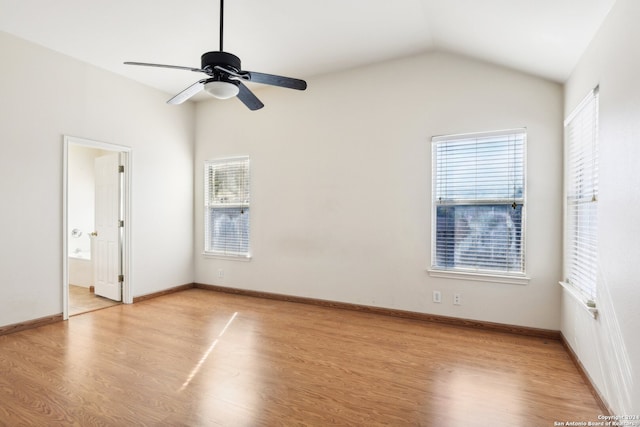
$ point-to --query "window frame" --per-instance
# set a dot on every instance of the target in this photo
(479, 274)
(212, 206)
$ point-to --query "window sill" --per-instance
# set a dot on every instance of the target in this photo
(582, 301)
(480, 277)
(245, 258)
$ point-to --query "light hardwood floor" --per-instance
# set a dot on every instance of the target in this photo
(202, 358)
(81, 300)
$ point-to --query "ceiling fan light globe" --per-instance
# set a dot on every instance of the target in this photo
(222, 90)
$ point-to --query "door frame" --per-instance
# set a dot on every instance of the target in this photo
(126, 161)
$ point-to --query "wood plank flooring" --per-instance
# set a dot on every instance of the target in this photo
(81, 300)
(202, 358)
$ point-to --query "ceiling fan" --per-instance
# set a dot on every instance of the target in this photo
(225, 76)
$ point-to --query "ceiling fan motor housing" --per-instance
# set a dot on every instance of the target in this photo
(223, 59)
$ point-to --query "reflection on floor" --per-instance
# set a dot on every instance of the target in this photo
(81, 300)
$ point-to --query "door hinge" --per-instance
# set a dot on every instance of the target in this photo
(121, 223)
(121, 168)
(121, 278)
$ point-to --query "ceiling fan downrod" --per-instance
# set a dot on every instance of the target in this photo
(221, 23)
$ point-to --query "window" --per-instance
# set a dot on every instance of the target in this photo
(581, 189)
(478, 203)
(226, 183)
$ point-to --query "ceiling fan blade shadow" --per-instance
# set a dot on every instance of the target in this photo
(188, 92)
(248, 98)
(273, 80)
(176, 67)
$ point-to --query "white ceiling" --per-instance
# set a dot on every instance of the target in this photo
(304, 38)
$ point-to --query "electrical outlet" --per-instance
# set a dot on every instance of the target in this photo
(437, 297)
(220, 273)
(457, 299)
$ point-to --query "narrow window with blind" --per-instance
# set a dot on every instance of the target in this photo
(478, 203)
(581, 190)
(226, 183)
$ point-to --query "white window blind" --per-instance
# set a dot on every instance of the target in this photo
(581, 233)
(227, 200)
(478, 202)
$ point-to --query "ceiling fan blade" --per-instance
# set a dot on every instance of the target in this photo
(177, 67)
(248, 98)
(273, 80)
(188, 92)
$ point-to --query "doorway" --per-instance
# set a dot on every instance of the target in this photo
(96, 225)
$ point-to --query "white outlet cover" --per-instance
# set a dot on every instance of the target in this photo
(437, 296)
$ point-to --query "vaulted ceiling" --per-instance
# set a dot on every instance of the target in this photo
(304, 38)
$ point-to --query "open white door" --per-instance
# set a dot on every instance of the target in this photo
(107, 261)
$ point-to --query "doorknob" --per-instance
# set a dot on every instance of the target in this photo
(93, 234)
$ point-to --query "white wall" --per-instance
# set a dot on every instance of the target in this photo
(609, 347)
(341, 185)
(46, 95)
(80, 196)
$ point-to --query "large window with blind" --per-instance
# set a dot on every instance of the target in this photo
(581, 190)
(479, 203)
(227, 200)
